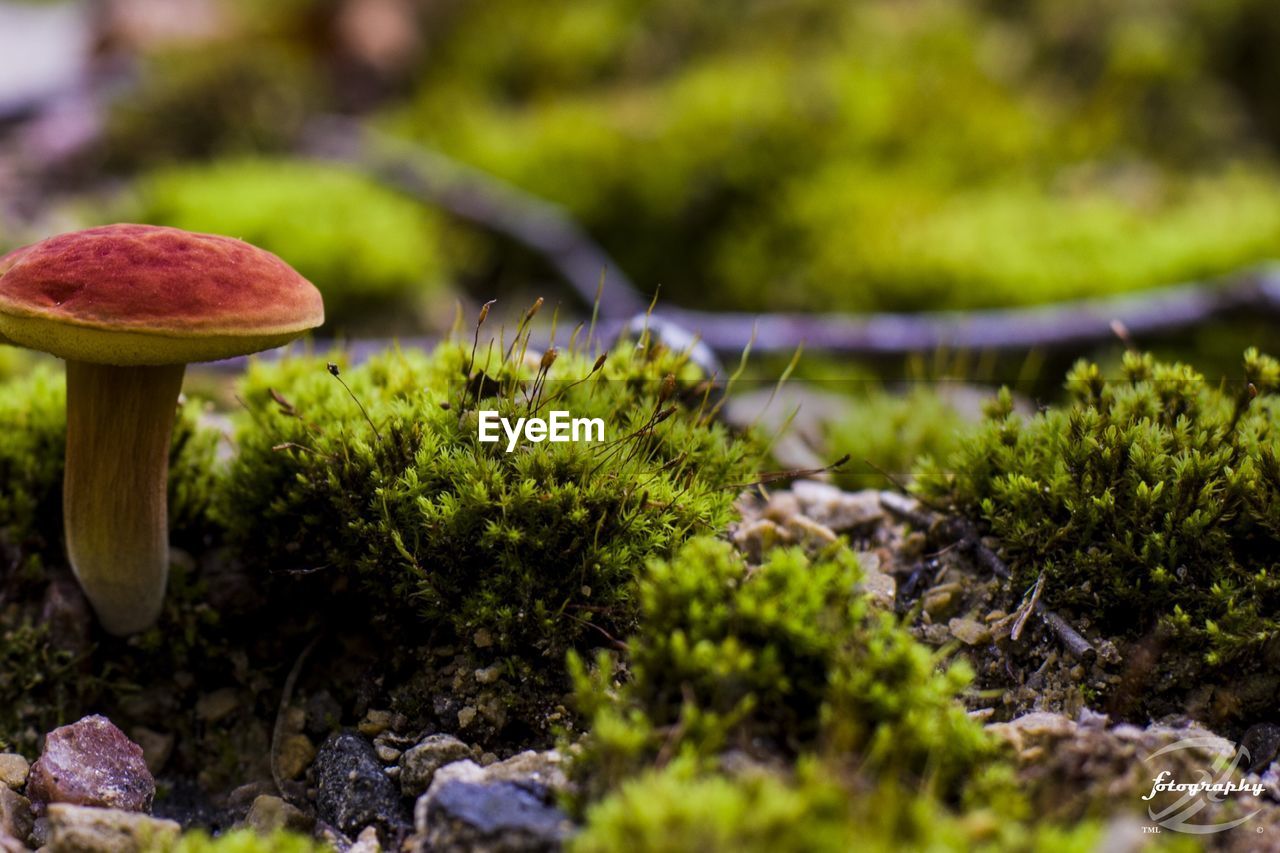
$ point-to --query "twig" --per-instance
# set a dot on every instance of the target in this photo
(1025, 611)
(483, 199)
(1070, 637)
(286, 696)
(966, 538)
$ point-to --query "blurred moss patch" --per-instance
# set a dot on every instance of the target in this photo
(877, 155)
(366, 248)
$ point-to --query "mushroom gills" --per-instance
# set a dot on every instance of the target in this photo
(115, 490)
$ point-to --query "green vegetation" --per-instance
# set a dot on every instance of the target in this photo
(874, 155)
(785, 658)
(386, 489)
(1148, 503)
(363, 246)
(229, 98)
(245, 841)
(771, 708)
(32, 446)
(674, 809)
(45, 677)
(891, 431)
(38, 683)
(759, 812)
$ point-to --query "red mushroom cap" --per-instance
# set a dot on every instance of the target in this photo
(145, 294)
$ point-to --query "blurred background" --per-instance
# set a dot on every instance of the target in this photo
(821, 156)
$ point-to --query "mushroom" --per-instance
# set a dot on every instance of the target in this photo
(127, 307)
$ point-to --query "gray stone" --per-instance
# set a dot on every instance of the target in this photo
(879, 587)
(419, 764)
(497, 816)
(353, 791)
(91, 763)
(545, 769)
(16, 817)
(507, 805)
(836, 509)
(84, 829)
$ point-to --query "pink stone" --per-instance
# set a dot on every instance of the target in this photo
(91, 763)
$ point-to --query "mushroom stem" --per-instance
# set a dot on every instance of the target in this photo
(115, 494)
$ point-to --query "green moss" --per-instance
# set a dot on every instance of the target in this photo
(885, 431)
(244, 841)
(32, 448)
(363, 246)
(677, 809)
(1148, 503)
(925, 246)
(225, 98)
(48, 672)
(40, 686)
(781, 659)
(32, 445)
(386, 491)
(875, 156)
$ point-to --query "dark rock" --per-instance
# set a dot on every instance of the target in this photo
(353, 791)
(497, 816)
(324, 714)
(1262, 742)
(232, 588)
(91, 763)
(184, 802)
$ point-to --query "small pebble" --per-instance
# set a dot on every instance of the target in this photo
(91, 763)
(295, 755)
(84, 829)
(418, 766)
(375, 723)
(270, 813)
(13, 770)
(16, 816)
(156, 747)
(969, 631)
(218, 705)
